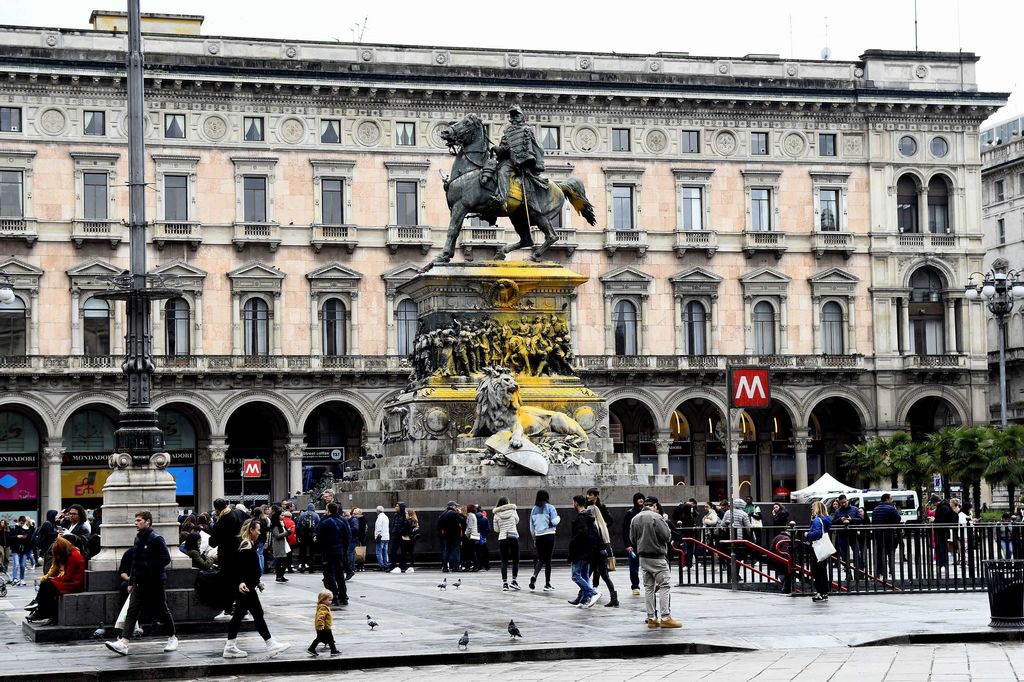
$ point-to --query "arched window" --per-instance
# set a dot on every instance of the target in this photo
(256, 327)
(764, 329)
(695, 325)
(335, 326)
(406, 320)
(927, 315)
(906, 205)
(625, 328)
(938, 206)
(13, 324)
(176, 326)
(89, 431)
(96, 327)
(832, 329)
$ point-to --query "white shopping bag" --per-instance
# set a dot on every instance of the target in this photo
(823, 547)
(121, 617)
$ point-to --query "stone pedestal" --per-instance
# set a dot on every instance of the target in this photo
(130, 489)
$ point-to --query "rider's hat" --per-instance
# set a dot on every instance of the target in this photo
(515, 109)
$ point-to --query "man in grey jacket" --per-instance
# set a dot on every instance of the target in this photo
(651, 534)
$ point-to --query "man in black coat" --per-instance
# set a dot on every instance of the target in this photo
(332, 537)
(944, 515)
(585, 539)
(885, 514)
(224, 537)
(146, 584)
(451, 526)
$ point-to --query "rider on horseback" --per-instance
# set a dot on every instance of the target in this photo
(519, 152)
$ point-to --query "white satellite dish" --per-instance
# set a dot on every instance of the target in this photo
(826, 53)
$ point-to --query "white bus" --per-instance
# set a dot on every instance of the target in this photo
(906, 502)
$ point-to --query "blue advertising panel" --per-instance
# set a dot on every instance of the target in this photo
(185, 480)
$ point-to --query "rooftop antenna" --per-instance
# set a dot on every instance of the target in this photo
(826, 52)
(358, 29)
(915, 26)
(791, 52)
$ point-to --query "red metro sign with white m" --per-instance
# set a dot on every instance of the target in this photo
(749, 387)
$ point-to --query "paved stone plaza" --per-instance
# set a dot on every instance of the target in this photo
(741, 634)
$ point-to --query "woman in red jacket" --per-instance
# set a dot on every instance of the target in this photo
(66, 576)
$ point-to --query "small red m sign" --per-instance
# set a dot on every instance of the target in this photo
(749, 387)
(251, 468)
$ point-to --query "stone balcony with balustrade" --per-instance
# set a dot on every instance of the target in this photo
(823, 242)
(409, 235)
(486, 237)
(335, 235)
(635, 239)
(110, 231)
(764, 242)
(268, 234)
(19, 228)
(926, 242)
(696, 240)
(177, 232)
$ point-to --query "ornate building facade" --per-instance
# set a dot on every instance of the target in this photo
(816, 217)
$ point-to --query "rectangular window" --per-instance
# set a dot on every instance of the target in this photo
(253, 127)
(94, 196)
(622, 207)
(828, 203)
(333, 191)
(96, 336)
(95, 123)
(760, 210)
(549, 138)
(405, 202)
(11, 195)
(330, 131)
(927, 336)
(254, 201)
(1002, 230)
(174, 126)
(176, 198)
(1000, 194)
(620, 140)
(1021, 190)
(690, 142)
(759, 144)
(826, 144)
(405, 134)
(693, 210)
(10, 119)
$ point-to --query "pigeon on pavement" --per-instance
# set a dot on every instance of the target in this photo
(371, 622)
(513, 630)
(457, 583)
(99, 632)
(464, 640)
(443, 585)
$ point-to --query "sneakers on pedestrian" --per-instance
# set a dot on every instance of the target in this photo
(247, 618)
(22, 583)
(172, 644)
(138, 631)
(669, 622)
(652, 623)
(118, 647)
(312, 651)
(515, 585)
(396, 569)
(636, 593)
(504, 587)
(533, 582)
(231, 650)
(549, 588)
(411, 570)
(222, 617)
(274, 647)
(818, 597)
(593, 599)
(281, 580)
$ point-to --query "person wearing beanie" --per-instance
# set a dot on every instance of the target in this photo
(634, 558)
(382, 536)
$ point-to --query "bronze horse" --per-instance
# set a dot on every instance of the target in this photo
(467, 140)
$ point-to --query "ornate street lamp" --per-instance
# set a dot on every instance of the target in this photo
(998, 290)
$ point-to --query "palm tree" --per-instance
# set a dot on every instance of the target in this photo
(864, 463)
(1001, 449)
(966, 462)
(915, 462)
(889, 451)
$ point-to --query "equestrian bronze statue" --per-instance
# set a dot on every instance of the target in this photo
(493, 182)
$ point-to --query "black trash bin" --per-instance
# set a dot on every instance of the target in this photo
(1005, 580)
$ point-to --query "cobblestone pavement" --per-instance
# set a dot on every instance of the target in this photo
(791, 638)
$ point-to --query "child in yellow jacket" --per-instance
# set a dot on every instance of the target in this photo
(323, 622)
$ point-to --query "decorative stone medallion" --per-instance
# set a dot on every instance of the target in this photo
(52, 40)
(654, 65)
(292, 130)
(435, 135)
(291, 52)
(215, 128)
(368, 133)
(791, 70)
(657, 141)
(213, 48)
(794, 144)
(440, 58)
(436, 420)
(858, 72)
(585, 417)
(723, 68)
(921, 71)
(513, 60)
(586, 139)
(853, 145)
(366, 54)
(583, 63)
(725, 143)
(53, 121)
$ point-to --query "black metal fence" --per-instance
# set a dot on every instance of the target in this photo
(869, 559)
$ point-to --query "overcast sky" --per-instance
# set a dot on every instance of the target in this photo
(790, 28)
